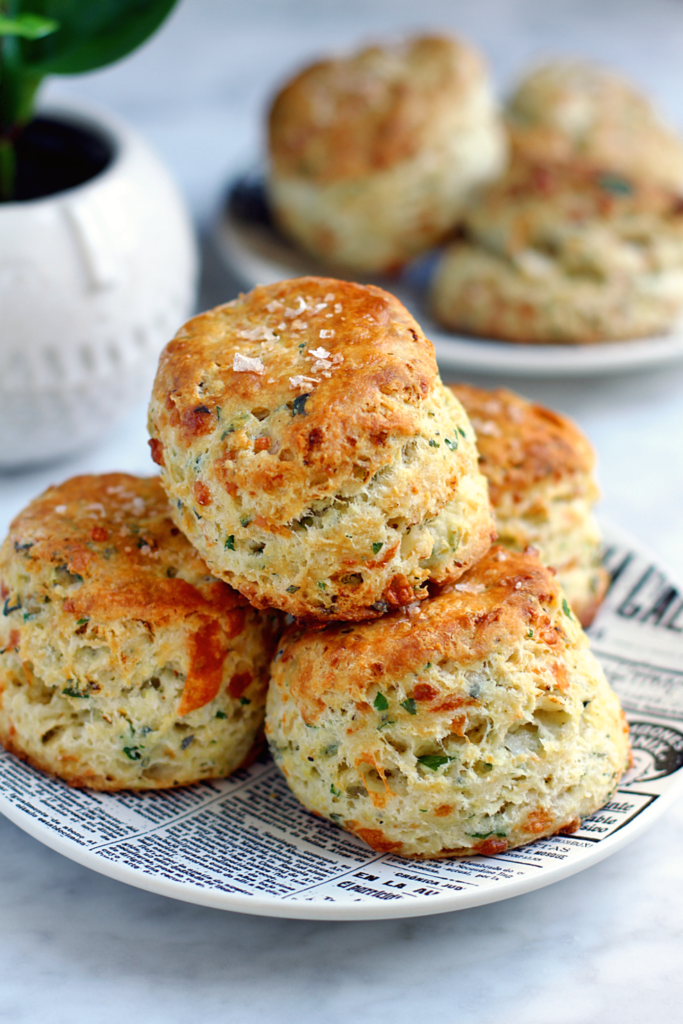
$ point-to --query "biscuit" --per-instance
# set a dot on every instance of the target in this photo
(560, 254)
(311, 453)
(373, 156)
(577, 112)
(475, 723)
(540, 469)
(124, 664)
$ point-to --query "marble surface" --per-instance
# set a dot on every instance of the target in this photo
(602, 946)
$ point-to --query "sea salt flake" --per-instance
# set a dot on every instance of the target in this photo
(327, 334)
(275, 306)
(138, 506)
(60, 509)
(299, 381)
(282, 326)
(299, 325)
(291, 313)
(320, 306)
(245, 364)
(319, 353)
(338, 307)
(470, 588)
(261, 333)
(329, 297)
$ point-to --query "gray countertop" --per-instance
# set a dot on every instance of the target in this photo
(601, 946)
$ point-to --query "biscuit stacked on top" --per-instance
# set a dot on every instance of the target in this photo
(581, 240)
(374, 156)
(312, 455)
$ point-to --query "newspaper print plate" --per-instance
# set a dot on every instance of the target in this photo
(244, 844)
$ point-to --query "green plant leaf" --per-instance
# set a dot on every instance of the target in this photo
(28, 26)
(90, 34)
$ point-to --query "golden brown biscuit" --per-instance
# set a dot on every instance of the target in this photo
(124, 664)
(311, 453)
(540, 469)
(561, 254)
(475, 722)
(577, 112)
(373, 156)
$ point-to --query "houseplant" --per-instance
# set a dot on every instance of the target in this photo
(97, 255)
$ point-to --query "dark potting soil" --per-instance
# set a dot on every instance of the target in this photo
(55, 155)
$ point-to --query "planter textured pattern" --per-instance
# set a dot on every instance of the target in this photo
(93, 282)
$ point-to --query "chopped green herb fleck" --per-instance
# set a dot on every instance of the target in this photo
(566, 609)
(461, 432)
(377, 547)
(385, 723)
(197, 513)
(434, 761)
(133, 753)
(245, 700)
(245, 520)
(615, 185)
(433, 443)
(230, 543)
(486, 835)
(73, 691)
(171, 572)
(221, 714)
(82, 622)
(292, 589)
(409, 705)
(453, 445)
(428, 665)
(334, 791)
(228, 430)
(186, 742)
(299, 404)
(322, 585)
(530, 634)
(218, 412)
(380, 702)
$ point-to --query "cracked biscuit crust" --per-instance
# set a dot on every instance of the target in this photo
(124, 663)
(311, 453)
(540, 469)
(475, 722)
(564, 254)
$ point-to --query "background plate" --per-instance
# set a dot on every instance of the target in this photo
(256, 253)
(245, 844)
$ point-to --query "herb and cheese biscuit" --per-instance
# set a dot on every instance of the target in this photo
(124, 664)
(561, 254)
(313, 456)
(540, 469)
(373, 156)
(477, 722)
(578, 112)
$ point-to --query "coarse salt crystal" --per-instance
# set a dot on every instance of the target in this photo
(319, 353)
(329, 297)
(291, 313)
(320, 306)
(275, 306)
(327, 334)
(338, 307)
(261, 333)
(60, 509)
(470, 588)
(138, 506)
(245, 364)
(282, 326)
(299, 325)
(299, 381)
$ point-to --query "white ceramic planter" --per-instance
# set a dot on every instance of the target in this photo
(93, 282)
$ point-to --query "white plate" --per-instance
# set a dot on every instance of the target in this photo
(244, 844)
(257, 254)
